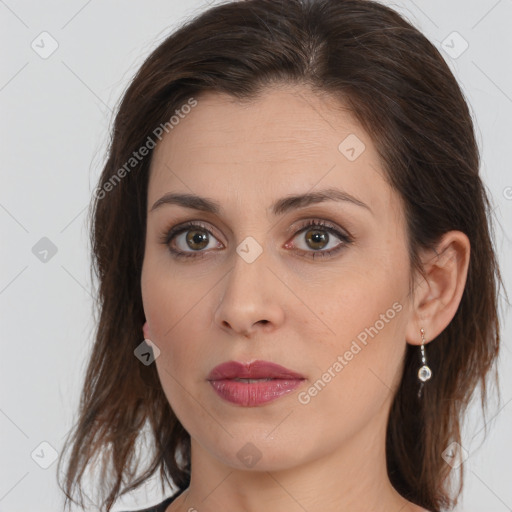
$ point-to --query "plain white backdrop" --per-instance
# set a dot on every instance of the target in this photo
(65, 65)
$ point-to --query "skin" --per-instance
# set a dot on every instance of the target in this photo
(285, 307)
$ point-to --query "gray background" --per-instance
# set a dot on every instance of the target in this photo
(56, 112)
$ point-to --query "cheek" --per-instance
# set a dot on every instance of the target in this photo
(165, 308)
(170, 297)
(367, 317)
(173, 312)
(177, 306)
(355, 370)
(362, 298)
(175, 315)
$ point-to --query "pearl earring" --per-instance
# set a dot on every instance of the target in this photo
(424, 373)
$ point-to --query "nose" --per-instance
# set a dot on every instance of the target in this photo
(251, 301)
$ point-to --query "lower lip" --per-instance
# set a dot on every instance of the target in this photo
(254, 393)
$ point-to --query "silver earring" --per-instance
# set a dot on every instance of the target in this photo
(424, 373)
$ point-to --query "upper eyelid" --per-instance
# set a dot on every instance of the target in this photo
(181, 228)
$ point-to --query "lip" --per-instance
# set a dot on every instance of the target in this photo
(253, 370)
(251, 394)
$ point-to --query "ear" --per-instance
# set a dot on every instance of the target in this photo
(437, 294)
(145, 331)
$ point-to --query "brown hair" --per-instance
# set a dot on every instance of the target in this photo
(402, 92)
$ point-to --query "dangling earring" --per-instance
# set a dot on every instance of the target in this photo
(424, 373)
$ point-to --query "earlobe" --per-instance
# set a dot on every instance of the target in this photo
(145, 331)
(439, 291)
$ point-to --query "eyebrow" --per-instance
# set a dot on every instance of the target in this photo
(279, 207)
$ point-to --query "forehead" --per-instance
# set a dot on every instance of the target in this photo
(279, 119)
(288, 140)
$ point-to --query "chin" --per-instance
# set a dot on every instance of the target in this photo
(260, 453)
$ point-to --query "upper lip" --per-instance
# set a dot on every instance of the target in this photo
(252, 370)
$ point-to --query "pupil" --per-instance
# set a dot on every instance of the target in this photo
(197, 238)
(318, 238)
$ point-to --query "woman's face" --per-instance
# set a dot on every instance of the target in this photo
(318, 285)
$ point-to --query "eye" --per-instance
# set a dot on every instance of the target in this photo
(190, 240)
(320, 239)
(317, 238)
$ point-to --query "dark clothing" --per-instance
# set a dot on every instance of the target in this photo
(160, 507)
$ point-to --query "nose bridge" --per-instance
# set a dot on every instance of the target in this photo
(248, 275)
(249, 296)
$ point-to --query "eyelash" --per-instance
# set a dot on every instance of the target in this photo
(168, 236)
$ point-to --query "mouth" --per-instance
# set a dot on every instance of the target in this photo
(253, 384)
(257, 370)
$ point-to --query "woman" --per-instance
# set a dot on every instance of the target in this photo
(291, 215)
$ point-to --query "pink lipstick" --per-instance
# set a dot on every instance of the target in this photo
(252, 384)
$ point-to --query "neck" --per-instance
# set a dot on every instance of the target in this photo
(353, 477)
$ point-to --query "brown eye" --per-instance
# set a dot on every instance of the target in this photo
(317, 238)
(190, 240)
(197, 239)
